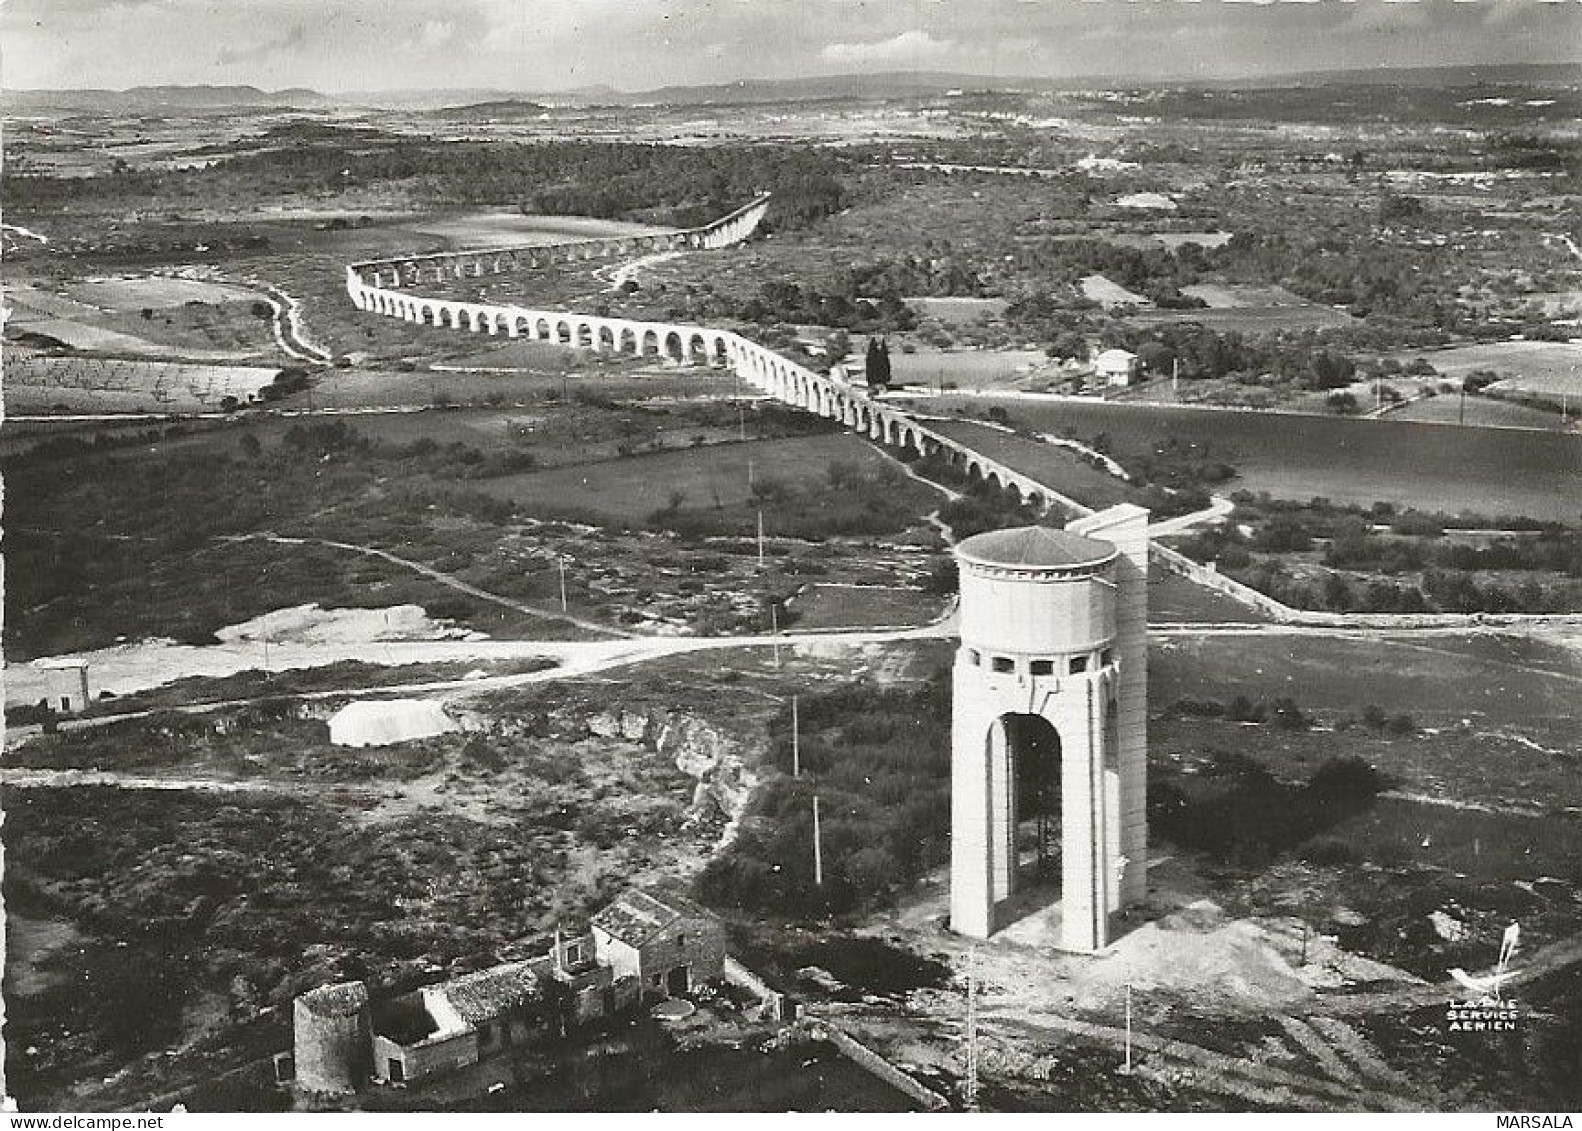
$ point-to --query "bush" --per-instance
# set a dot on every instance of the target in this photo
(1346, 779)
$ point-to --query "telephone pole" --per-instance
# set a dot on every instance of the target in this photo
(796, 741)
(561, 561)
(970, 1089)
(818, 848)
(760, 538)
(774, 630)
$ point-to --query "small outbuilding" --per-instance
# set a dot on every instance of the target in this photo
(383, 722)
(62, 684)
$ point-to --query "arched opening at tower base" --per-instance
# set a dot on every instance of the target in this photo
(1030, 748)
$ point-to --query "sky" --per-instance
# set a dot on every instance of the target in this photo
(632, 45)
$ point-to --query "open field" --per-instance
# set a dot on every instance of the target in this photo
(1541, 367)
(958, 311)
(130, 294)
(709, 478)
(44, 384)
(487, 228)
(1495, 679)
(850, 606)
(1248, 309)
(1425, 466)
(973, 369)
(1479, 412)
(146, 316)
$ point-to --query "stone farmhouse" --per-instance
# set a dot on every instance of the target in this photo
(644, 946)
(669, 944)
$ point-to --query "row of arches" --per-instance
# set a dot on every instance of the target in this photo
(413, 270)
(758, 366)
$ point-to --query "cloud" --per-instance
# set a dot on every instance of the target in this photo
(908, 48)
(291, 40)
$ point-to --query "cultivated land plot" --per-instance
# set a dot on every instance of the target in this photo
(548, 372)
(1174, 599)
(131, 295)
(1479, 412)
(716, 476)
(1539, 367)
(863, 606)
(1491, 677)
(42, 384)
(1248, 309)
(974, 369)
(1427, 466)
(958, 311)
(507, 229)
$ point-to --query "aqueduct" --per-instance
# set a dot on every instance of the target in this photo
(1086, 686)
(388, 287)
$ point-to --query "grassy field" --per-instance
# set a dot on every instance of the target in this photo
(1479, 412)
(1541, 367)
(973, 369)
(849, 606)
(1493, 679)
(709, 478)
(1426, 466)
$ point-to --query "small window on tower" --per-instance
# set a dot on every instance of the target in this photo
(1043, 667)
(1107, 657)
(974, 657)
(1004, 664)
(1079, 664)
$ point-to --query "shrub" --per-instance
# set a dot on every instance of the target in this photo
(1346, 779)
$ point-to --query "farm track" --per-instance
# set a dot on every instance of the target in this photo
(1328, 1081)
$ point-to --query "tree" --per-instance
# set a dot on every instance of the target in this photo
(877, 364)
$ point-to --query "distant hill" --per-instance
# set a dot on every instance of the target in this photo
(162, 99)
(495, 110)
(482, 103)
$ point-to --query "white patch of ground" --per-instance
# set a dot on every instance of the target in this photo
(1152, 200)
(301, 637)
(1107, 293)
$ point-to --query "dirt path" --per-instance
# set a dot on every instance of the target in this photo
(1329, 1082)
(76, 779)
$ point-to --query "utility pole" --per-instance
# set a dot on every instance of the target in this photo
(774, 629)
(561, 561)
(749, 473)
(970, 1090)
(1175, 378)
(1126, 1068)
(818, 848)
(760, 538)
(796, 741)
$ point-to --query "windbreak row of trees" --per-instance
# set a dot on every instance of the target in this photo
(669, 184)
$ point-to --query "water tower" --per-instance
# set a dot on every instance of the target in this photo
(1049, 718)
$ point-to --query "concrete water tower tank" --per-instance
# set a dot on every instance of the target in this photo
(1050, 692)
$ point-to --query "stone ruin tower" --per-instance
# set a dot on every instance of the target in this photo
(1050, 701)
(332, 1033)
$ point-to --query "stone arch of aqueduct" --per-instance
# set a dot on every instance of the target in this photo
(389, 287)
